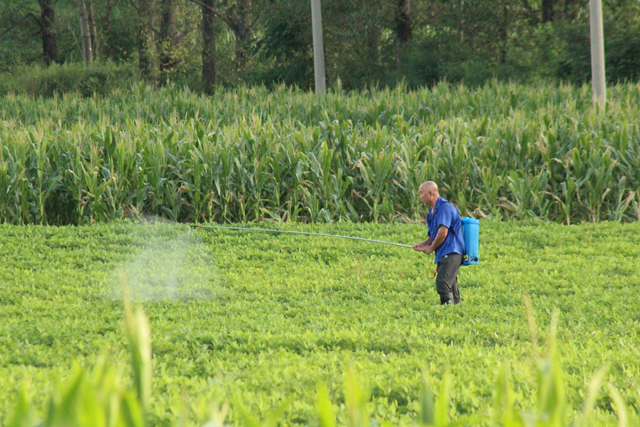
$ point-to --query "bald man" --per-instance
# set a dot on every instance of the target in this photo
(445, 241)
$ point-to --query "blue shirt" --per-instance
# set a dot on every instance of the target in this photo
(446, 214)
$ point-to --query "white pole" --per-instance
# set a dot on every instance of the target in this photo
(597, 53)
(318, 50)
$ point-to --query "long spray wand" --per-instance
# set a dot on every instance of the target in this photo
(300, 232)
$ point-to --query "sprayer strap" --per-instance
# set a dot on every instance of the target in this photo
(460, 242)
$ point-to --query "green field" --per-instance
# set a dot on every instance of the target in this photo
(256, 319)
(260, 320)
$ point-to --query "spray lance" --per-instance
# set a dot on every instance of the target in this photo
(469, 226)
(220, 227)
(299, 232)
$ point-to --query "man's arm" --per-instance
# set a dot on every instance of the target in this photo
(443, 231)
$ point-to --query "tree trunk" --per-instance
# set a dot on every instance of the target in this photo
(48, 31)
(461, 21)
(373, 36)
(208, 47)
(404, 32)
(85, 33)
(504, 33)
(108, 26)
(243, 35)
(147, 49)
(168, 41)
(548, 10)
(92, 29)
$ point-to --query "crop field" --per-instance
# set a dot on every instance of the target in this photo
(292, 330)
(501, 150)
(260, 320)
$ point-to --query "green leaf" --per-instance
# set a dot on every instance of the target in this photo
(324, 407)
(23, 415)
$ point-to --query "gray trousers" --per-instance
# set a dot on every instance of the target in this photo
(447, 278)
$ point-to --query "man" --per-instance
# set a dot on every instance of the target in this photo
(445, 239)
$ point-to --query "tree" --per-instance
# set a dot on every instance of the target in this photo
(208, 46)
(404, 31)
(85, 33)
(238, 16)
(167, 37)
(570, 9)
(47, 24)
(548, 10)
(92, 28)
(147, 48)
(504, 33)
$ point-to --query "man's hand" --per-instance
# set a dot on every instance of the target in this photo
(420, 246)
(423, 247)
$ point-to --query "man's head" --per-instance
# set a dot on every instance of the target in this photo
(429, 193)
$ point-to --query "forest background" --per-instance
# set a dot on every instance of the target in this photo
(205, 44)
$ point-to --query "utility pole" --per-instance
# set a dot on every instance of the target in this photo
(318, 50)
(597, 53)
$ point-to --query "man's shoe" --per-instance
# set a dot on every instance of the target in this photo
(446, 299)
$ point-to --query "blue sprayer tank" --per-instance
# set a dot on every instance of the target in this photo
(470, 230)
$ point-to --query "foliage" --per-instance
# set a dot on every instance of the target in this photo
(301, 329)
(571, 60)
(97, 400)
(97, 79)
(472, 42)
(502, 150)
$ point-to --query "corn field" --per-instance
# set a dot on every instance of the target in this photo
(502, 150)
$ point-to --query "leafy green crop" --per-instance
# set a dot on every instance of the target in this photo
(276, 324)
(502, 150)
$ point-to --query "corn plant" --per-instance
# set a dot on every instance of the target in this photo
(502, 150)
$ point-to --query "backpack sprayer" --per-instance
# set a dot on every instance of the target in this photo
(470, 228)
(470, 236)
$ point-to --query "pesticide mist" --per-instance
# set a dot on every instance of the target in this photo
(174, 264)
